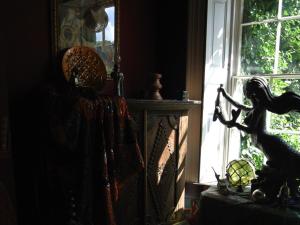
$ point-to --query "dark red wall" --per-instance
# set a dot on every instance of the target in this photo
(29, 46)
(172, 47)
(138, 41)
(27, 62)
(153, 39)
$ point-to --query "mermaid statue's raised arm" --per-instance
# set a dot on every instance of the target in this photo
(283, 162)
(218, 113)
(231, 100)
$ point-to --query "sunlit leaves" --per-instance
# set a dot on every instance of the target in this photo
(279, 86)
(249, 152)
(258, 49)
(289, 58)
(291, 7)
(257, 10)
(291, 139)
(288, 122)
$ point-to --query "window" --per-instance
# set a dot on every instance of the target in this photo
(105, 37)
(265, 41)
(270, 37)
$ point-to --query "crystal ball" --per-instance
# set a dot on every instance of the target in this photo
(258, 195)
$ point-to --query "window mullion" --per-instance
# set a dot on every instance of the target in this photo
(276, 61)
(278, 33)
(259, 22)
(278, 76)
(268, 114)
(277, 48)
(297, 17)
(240, 31)
(285, 131)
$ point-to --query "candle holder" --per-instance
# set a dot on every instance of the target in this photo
(155, 87)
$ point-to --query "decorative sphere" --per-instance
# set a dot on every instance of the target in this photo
(258, 195)
(240, 173)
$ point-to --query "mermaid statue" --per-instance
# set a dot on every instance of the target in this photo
(282, 167)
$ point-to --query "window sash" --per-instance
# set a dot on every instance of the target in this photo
(279, 19)
(235, 70)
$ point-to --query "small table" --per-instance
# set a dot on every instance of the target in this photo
(217, 209)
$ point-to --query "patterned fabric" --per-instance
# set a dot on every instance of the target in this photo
(94, 153)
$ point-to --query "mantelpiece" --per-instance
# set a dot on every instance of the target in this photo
(160, 105)
(162, 126)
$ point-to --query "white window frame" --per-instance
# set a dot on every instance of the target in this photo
(231, 141)
(235, 71)
(237, 38)
(214, 139)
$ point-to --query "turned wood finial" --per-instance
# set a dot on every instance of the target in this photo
(155, 87)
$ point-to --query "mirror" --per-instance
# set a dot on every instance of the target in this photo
(91, 23)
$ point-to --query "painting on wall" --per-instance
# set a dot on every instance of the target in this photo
(89, 23)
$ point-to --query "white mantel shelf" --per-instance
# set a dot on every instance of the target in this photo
(166, 104)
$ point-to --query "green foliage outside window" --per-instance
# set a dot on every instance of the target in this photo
(258, 51)
(289, 55)
(258, 10)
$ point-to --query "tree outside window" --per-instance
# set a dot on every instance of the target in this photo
(270, 47)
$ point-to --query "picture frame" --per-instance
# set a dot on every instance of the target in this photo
(90, 23)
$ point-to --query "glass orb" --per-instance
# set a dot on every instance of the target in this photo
(240, 172)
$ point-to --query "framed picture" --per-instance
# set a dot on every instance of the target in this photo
(90, 23)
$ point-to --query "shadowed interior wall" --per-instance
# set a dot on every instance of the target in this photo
(28, 67)
(152, 40)
(172, 47)
(28, 60)
(194, 83)
(138, 40)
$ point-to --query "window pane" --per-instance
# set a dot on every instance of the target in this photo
(288, 124)
(251, 153)
(279, 86)
(292, 139)
(285, 126)
(248, 150)
(105, 40)
(258, 10)
(289, 58)
(290, 7)
(258, 49)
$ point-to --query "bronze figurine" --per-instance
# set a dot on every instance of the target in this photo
(283, 162)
